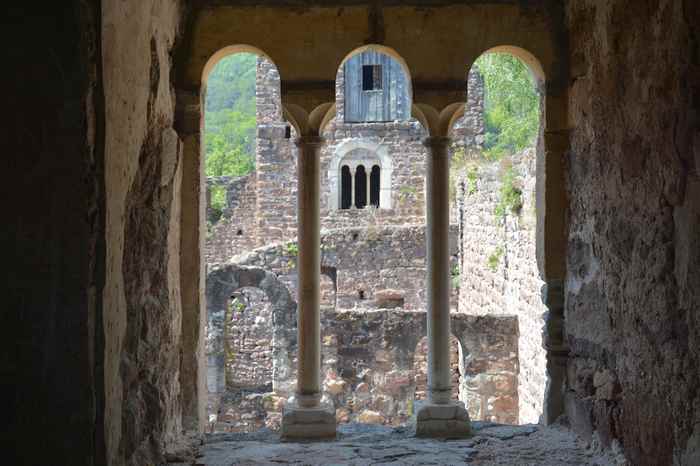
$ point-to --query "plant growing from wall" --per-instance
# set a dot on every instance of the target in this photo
(494, 258)
(509, 195)
(217, 202)
(454, 275)
(291, 250)
(472, 177)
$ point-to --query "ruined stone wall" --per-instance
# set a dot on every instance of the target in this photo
(372, 360)
(371, 268)
(633, 261)
(142, 302)
(273, 206)
(235, 228)
(275, 162)
(499, 272)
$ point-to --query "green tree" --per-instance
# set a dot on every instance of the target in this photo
(229, 117)
(512, 104)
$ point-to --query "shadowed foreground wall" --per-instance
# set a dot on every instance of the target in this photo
(633, 286)
(51, 241)
(143, 168)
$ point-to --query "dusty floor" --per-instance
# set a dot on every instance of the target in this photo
(359, 444)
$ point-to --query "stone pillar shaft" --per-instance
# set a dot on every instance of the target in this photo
(368, 175)
(353, 201)
(438, 268)
(309, 270)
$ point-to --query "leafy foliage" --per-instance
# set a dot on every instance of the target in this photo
(229, 117)
(217, 201)
(495, 258)
(472, 177)
(509, 195)
(512, 104)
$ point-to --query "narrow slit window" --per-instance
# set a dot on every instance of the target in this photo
(374, 181)
(345, 188)
(371, 77)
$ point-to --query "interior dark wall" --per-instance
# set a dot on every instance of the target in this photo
(633, 283)
(51, 186)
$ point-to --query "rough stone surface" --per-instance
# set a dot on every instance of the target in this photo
(498, 273)
(143, 165)
(358, 444)
(373, 364)
(632, 289)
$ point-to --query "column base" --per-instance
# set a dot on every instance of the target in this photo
(443, 421)
(308, 423)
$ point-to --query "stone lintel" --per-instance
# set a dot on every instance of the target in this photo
(443, 421)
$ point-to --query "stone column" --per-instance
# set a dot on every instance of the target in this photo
(305, 416)
(353, 202)
(440, 417)
(557, 350)
(368, 174)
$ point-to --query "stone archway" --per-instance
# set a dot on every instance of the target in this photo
(225, 282)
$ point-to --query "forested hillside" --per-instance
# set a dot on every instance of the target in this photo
(230, 117)
(512, 104)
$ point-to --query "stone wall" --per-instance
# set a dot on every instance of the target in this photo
(143, 172)
(499, 272)
(633, 261)
(235, 228)
(52, 240)
(371, 359)
(272, 208)
(370, 267)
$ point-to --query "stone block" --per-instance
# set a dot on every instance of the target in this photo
(308, 423)
(443, 421)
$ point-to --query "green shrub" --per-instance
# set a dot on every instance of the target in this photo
(472, 177)
(510, 197)
(495, 258)
(217, 201)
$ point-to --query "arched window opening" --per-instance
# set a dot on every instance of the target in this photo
(374, 185)
(360, 187)
(345, 188)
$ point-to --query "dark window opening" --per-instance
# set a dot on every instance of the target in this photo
(355, 236)
(360, 187)
(371, 77)
(361, 294)
(288, 132)
(374, 186)
(239, 232)
(345, 188)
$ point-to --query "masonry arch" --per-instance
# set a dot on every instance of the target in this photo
(537, 221)
(353, 153)
(228, 282)
(373, 84)
(420, 368)
(190, 122)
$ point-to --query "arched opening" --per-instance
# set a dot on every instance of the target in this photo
(360, 187)
(240, 93)
(345, 188)
(374, 186)
(377, 169)
(247, 350)
(494, 166)
(420, 369)
(376, 86)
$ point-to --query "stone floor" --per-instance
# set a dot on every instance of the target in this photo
(362, 444)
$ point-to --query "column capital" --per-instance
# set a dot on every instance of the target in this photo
(309, 140)
(437, 142)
